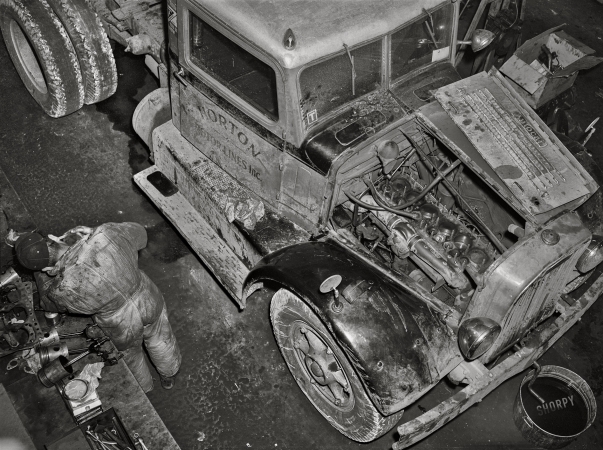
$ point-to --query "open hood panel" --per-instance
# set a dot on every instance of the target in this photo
(510, 146)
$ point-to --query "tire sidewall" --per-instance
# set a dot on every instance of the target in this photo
(359, 421)
(5, 23)
(64, 90)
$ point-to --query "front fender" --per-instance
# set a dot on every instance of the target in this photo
(399, 346)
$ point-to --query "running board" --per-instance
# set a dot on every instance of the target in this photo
(210, 247)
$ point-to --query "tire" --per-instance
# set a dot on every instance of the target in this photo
(305, 344)
(43, 55)
(92, 47)
(576, 283)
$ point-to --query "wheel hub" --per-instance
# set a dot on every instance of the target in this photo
(322, 368)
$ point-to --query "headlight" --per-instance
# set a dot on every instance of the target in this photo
(476, 336)
(592, 256)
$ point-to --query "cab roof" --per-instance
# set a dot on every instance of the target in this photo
(321, 27)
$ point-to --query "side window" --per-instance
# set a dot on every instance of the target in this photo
(237, 69)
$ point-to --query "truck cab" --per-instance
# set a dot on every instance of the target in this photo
(412, 224)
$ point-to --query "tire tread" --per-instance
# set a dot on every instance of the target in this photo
(92, 47)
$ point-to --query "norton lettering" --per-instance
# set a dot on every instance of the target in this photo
(535, 135)
(555, 405)
(210, 114)
(229, 153)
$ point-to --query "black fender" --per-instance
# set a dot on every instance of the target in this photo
(399, 346)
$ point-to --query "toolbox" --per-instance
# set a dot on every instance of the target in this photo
(547, 65)
(107, 426)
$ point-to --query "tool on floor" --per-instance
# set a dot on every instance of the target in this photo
(95, 347)
(107, 429)
(109, 357)
(537, 369)
(590, 130)
(139, 441)
(103, 444)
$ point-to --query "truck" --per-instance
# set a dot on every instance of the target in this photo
(412, 225)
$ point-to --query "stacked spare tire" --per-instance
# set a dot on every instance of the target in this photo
(61, 52)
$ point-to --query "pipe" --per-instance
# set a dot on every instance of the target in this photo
(482, 226)
(441, 177)
(377, 208)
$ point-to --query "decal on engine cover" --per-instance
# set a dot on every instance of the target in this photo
(535, 135)
(538, 171)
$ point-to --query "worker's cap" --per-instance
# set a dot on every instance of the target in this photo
(32, 251)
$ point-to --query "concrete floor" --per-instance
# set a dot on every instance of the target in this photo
(234, 390)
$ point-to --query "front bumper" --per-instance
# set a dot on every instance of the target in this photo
(539, 341)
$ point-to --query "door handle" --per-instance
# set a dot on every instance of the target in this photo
(179, 75)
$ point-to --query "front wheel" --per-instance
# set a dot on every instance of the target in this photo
(323, 371)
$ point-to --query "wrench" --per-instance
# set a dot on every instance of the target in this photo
(140, 441)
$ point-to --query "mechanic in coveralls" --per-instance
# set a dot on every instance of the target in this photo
(97, 274)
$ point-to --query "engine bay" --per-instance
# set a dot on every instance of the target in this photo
(424, 214)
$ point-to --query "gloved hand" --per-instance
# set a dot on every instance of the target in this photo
(81, 230)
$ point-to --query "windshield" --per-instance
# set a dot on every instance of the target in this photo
(414, 45)
(336, 81)
(355, 72)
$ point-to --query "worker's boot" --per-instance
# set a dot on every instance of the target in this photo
(167, 382)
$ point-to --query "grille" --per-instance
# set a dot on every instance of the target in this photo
(537, 302)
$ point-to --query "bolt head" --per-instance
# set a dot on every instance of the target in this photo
(550, 237)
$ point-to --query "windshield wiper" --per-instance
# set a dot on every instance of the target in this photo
(353, 69)
(431, 28)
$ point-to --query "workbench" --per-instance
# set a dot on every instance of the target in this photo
(46, 418)
(42, 412)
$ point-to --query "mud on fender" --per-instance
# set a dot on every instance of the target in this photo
(399, 346)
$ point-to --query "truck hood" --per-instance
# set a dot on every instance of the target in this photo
(497, 135)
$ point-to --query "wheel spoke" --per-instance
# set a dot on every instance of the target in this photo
(338, 393)
(322, 367)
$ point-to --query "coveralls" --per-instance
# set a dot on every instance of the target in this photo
(99, 276)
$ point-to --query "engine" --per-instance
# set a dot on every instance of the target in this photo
(423, 215)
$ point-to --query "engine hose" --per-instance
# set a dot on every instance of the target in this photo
(384, 207)
(482, 226)
(393, 172)
(378, 208)
(424, 192)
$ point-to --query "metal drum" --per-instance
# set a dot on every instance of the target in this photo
(55, 371)
(567, 409)
(51, 337)
(51, 353)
